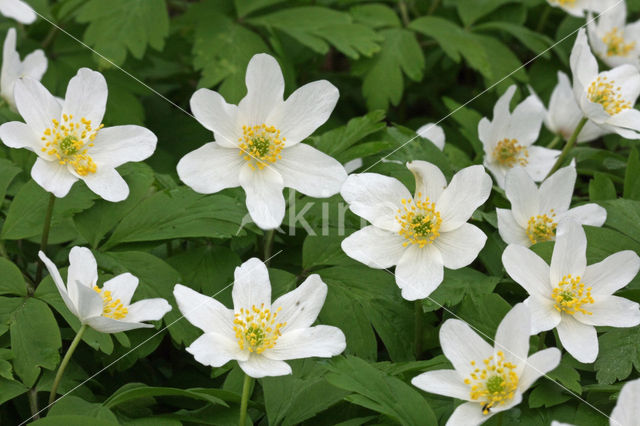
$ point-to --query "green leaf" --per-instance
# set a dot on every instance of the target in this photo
(179, 213)
(484, 313)
(456, 285)
(73, 420)
(566, 375)
(472, 10)
(120, 25)
(12, 281)
(632, 176)
(375, 15)
(316, 27)
(320, 250)
(8, 171)
(244, 7)
(339, 139)
(601, 188)
(536, 42)
(379, 392)
(624, 215)
(73, 405)
(35, 340)
(547, 394)
(130, 394)
(619, 352)
(383, 81)
(10, 389)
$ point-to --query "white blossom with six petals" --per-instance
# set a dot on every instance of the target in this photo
(420, 235)
(535, 212)
(69, 140)
(107, 309)
(259, 334)
(33, 66)
(491, 379)
(615, 42)
(257, 143)
(569, 295)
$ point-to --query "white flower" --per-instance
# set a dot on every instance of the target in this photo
(433, 133)
(34, 66)
(564, 114)
(571, 296)
(627, 409)
(257, 143)
(535, 212)
(18, 10)
(606, 98)
(107, 309)
(615, 42)
(508, 139)
(420, 235)
(69, 140)
(491, 379)
(579, 7)
(259, 334)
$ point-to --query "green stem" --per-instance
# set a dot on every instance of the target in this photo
(50, 36)
(555, 141)
(418, 318)
(33, 403)
(268, 245)
(246, 387)
(569, 145)
(543, 19)
(433, 7)
(65, 361)
(404, 12)
(45, 236)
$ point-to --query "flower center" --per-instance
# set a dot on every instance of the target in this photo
(615, 43)
(260, 145)
(508, 152)
(68, 142)
(494, 384)
(256, 328)
(564, 2)
(541, 228)
(419, 220)
(111, 308)
(570, 294)
(603, 92)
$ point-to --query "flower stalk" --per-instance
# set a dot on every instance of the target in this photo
(45, 236)
(246, 387)
(568, 146)
(65, 361)
(418, 328)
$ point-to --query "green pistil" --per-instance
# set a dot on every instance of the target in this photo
(68, 145)
(495, 384)
(261, 145)
(421, 225)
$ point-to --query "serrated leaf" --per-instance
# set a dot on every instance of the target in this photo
(456, 285)
(375, 15)
(118, 26)
(536, 42)
(619, 352)
(472, 10)
(339, 139)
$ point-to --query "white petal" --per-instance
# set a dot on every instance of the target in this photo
(301, 306)
(510, 230)
(540, 162)
(57, 279)
(251, 286)
(376, 198)
(86, 96)
(512, 336)
(611, 311)
(321, 341)
(53, 177)
(543, 314)
(627, 78)
(36, 105)
(258, 366)
(569, 253)
(461, 345)
(19, 135)
(430, 181)
(625, 123)
(468, 190)
(627, 409)
(527, 269)
(419, 272)
(461, 246)
(265, 201)
(211, 110)
(442, 382)
(204, 312)
(265, 88)
(216, 350)
(108, 184)
(538, 364)
(10, 67)
(613, 273)
(434, 133)
(564, 112)
(522, 192)
(35, 64)
(110, 325)
(526, 121)
(122, 287)
(211, 168)
(82, 272)
(556, 191)
(310, 171)
(117, 145)
(148, 310)
(304, 111)
(579, 339)
(468, 414)
(499, 173)
(374, 247)
(587, 214)
(88, 302)
(584, 66)
(18, 10)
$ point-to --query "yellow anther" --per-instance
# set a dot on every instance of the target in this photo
(508, 153)
(419, 221)
(496, 384)
(261, 145)
(258, 331)
(616, 45)
(570, 295)
(111, 308)
(542, 228)
(604, 92)
(68, 143)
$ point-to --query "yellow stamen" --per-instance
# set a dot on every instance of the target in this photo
(508, 152)
(261, 145)
(111, 308)
(256, 328)
(495, 384)
(419, 220)
(570, 294)
(68, 143)
(541, 228)
(604, 92)
(616, 45)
